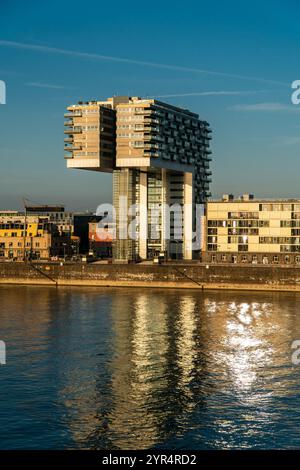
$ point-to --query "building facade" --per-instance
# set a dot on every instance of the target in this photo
(248, 230)
(34, 237)
(56, 215)
(19, 244)
(159, 156)
(100, 241)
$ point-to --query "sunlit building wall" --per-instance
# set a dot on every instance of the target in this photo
(248, 230)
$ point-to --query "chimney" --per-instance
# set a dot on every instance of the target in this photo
(227, 197)
(247, 197)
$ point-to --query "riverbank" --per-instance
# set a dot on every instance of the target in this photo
(184, 276)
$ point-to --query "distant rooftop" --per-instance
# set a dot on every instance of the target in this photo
(250, 198)
(45, 209)
(8, 212)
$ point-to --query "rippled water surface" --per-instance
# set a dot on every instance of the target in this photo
(133, 369)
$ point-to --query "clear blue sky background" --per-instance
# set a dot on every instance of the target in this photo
(254, 45)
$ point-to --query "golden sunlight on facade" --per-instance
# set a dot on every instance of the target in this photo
(248, 230)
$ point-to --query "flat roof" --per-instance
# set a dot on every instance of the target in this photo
(238, 201)
(45, 208)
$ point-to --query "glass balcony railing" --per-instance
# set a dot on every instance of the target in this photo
(70, 148)
(73, 114)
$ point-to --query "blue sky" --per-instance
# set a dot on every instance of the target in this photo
(232, 62)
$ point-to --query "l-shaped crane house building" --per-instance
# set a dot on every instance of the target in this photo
(158, 155)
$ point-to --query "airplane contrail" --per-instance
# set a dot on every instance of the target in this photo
(94, 56)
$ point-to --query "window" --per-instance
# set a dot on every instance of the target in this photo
(224, 257)
(242, 247)
(212, 247)
(275, 259)
(138, 143)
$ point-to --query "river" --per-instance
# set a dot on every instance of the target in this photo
(95, 368)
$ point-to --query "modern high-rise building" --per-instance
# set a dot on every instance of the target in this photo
(159, 156)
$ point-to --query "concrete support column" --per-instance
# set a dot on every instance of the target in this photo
(164, 201)
(188, 216)
(143, 218)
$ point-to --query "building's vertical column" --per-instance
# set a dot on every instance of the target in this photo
(116, 193)
(143, 217)
(203, 235)
(188, 216)
(165, 231)
(124, 190)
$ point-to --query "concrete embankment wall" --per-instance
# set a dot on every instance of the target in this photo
(196, 276)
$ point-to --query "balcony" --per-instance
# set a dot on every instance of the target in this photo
(74, 130)
(146, 111)
(159, 113)
(154, 129)
(69, 123)
(152, 122)
(151, 146)
(73, 114)
(70, 148)
(149, 137)
(138, 145)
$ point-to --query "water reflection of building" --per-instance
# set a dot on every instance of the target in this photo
(139, 370)
(153, 368)
(165, 363)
